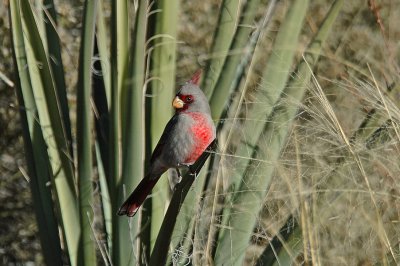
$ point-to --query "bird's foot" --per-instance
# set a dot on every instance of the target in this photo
(179, 175)
(192, 171)
(184, 165)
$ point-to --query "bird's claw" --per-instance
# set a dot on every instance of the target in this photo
(192, 171)
(179, 175)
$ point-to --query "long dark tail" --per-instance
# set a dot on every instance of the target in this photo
(137, 197)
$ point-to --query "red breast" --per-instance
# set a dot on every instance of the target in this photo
(203, 132)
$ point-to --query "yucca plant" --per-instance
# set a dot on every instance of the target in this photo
(126, 80)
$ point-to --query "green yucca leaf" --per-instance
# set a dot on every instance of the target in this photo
(228, 20)
(40, 21)
(102, 101)
(292, 248)
(275, 76)
(115, 66)
(119, 57)
(237, 50)
(247, 199)
(259, 172)
(162, 70)
(87, 255)
(375, 120)
(53, 130)
(38, 52)
(132, 143)
(104, 55)
(230, 114)
(288, 239)
(56, 64)
(35, 147)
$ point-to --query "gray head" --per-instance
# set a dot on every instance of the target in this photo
(190, 98)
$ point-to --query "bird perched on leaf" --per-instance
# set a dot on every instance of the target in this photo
(186, 136)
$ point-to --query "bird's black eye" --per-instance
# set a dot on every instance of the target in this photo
(188, 99)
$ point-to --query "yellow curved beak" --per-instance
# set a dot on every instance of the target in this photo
(177, 103)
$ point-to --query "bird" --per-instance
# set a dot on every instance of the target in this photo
(185, 137)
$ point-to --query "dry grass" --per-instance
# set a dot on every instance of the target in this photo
(344, 195)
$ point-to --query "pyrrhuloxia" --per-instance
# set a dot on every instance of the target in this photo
(185, 138)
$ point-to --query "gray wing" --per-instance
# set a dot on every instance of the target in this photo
(166, 136)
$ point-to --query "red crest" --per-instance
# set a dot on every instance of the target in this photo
(196, 77)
